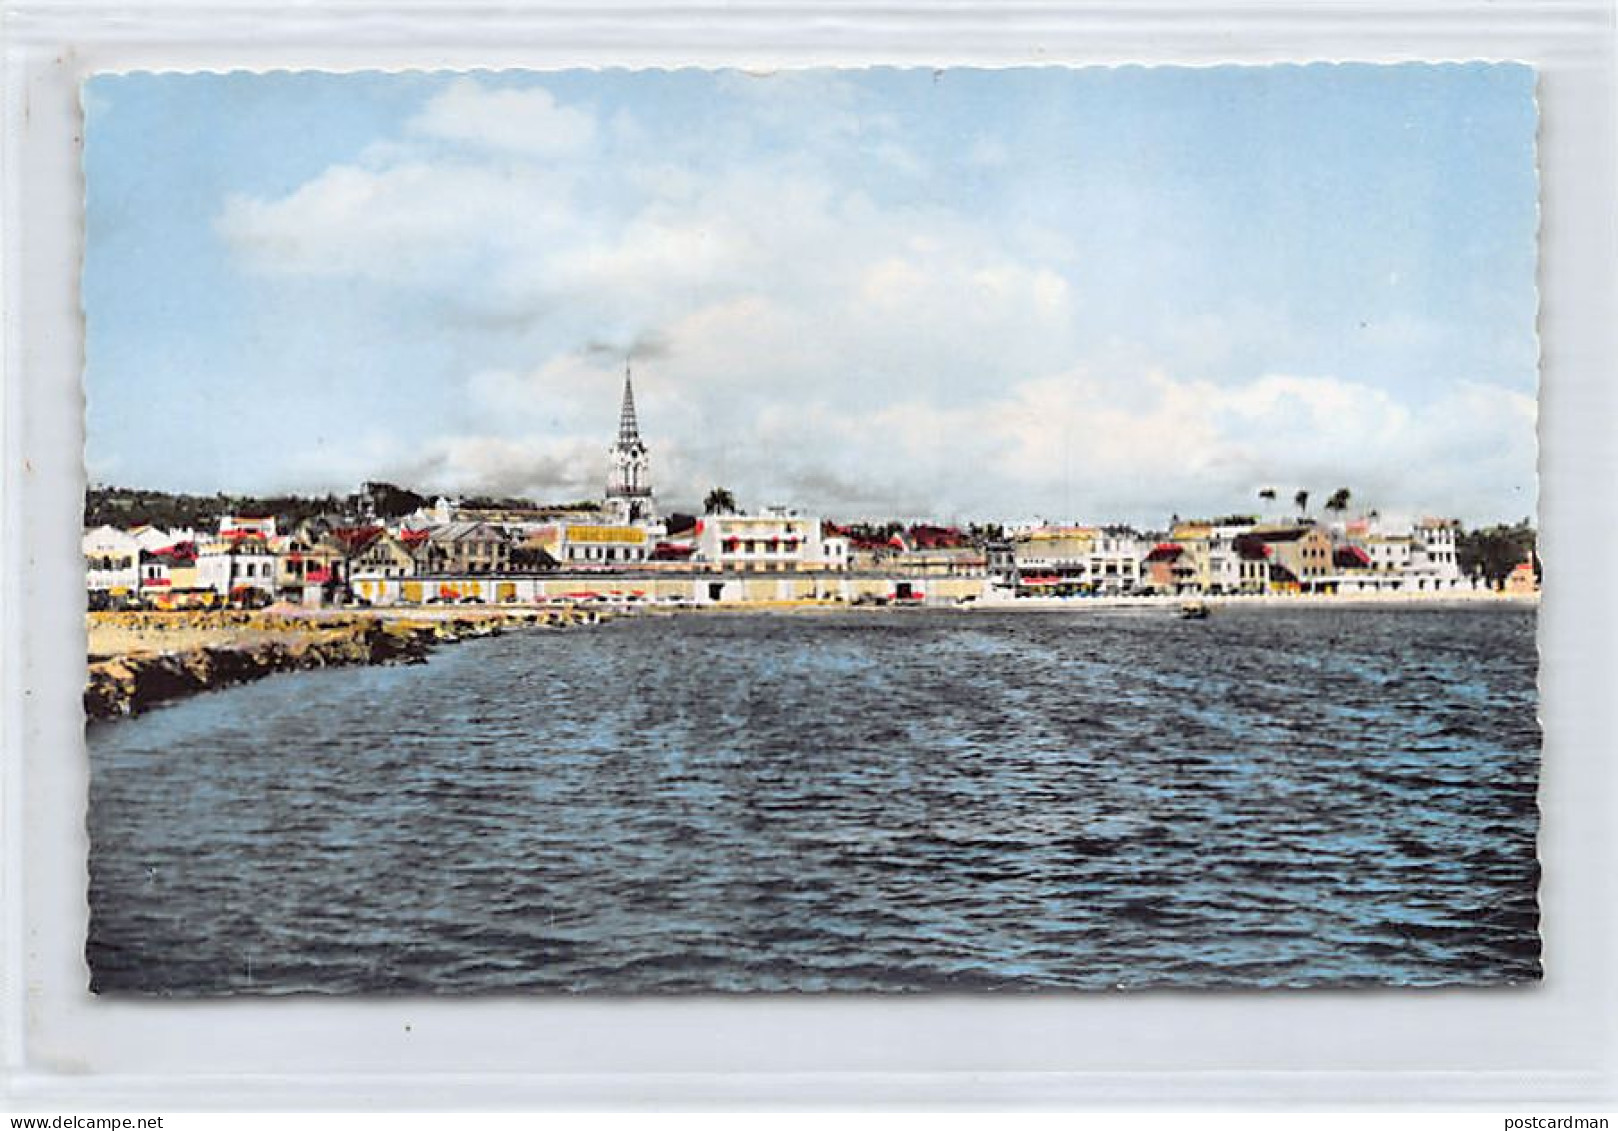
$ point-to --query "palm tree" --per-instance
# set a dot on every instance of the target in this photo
(1268, 495)
(1302, 500)
(1338, 501)
(719, 501)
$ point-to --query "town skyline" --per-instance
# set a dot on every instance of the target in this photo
(963, 295)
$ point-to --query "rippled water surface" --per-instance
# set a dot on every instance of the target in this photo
(886, 801)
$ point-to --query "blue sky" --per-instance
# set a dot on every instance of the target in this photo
(1093, 294)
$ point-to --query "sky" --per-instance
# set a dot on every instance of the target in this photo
(1094, 294)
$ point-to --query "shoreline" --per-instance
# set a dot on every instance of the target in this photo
(998, 604)
(137, 661)
(1440, 599)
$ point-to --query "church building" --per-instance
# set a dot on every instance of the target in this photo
(629, 528)
(629, 482)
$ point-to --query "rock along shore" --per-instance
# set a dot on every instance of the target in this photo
(139, 660)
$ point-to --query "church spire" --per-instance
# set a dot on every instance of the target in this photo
(629, 482)
(628, 428)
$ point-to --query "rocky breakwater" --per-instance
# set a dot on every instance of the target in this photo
(158, 657)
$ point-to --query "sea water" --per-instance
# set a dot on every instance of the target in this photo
(859, 801)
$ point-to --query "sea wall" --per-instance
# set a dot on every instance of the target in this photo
(132, 681)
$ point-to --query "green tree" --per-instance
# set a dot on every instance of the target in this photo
(389, 501)
(1338, 503)
(719, 501)
(1493, 552)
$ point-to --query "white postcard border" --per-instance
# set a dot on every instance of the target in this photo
(1546, 1044)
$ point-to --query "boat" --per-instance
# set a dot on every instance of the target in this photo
(1194, 610)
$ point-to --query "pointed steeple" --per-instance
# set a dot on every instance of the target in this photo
(629, 486)
(628, 428)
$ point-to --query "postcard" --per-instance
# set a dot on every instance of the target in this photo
(820, 531)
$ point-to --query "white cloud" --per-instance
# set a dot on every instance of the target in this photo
(527, 122)
(822, 346)
(409, 222)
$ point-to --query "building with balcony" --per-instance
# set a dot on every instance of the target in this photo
(111, 561)
(238, 566)
(773, 541)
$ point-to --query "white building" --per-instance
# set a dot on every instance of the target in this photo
(836, 552)
(236, 564)
(774, 541)
(1115, 562)
(1390, 553)
(605, 545)
(1054, 552)
(111, 561)
(238, 526)
(1225, 572)
(154, 538)
(1433, 562)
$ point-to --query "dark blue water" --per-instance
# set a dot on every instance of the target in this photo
(910, 801)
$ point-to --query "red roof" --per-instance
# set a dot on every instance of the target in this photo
(936, 537)
(179, 552)
(357, 537)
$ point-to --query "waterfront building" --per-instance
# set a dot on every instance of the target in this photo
(1433, 561)
(465, 547)
(1195, 540)
(1253, 565)
(238, 565)
(307, 568)
(629, 481)
(1299, 556)
(1523, 578)
(1115, 561)
(836, 551)
(1169, 568)
(1224, 566)
(167, 572)
(940, 561)
(1390, 553)
(1419, 556)
(1000, 561)
(1351, 560)
(354, 543)
(603, 545)
(1225, 574)
(1054, 556)
(776, 540)
(111, 562)
(1352, 572)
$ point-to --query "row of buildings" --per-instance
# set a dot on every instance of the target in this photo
(1243, 556)
(624, 549)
